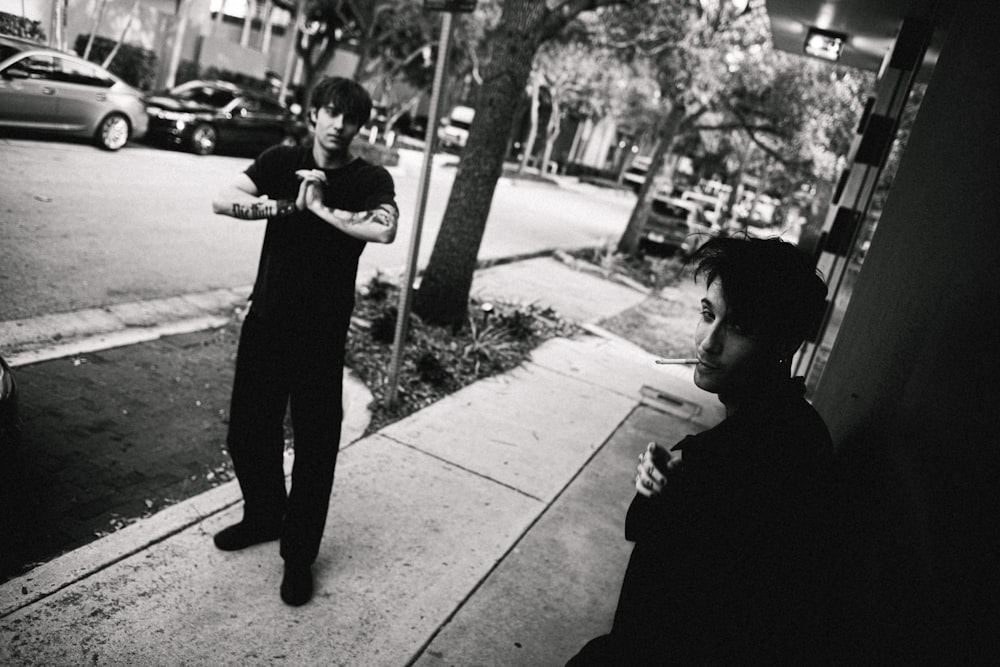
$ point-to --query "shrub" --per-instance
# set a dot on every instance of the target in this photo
(437, 361)
(135, 65)
(18, 26)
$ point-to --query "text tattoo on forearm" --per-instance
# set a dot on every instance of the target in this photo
(253, 211)
(258, 210)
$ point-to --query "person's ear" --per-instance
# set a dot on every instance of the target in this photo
(312, 115)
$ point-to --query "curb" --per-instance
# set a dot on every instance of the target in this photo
(85, 561)
(58, 335)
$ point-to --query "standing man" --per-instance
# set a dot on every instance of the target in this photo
(322, 205)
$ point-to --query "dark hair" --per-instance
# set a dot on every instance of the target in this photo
(345, 95)
(771, 287)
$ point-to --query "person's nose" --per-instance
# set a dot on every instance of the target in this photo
(713, 339)
(338, 121)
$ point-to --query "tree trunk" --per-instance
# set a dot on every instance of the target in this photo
(121, 38)
(316, 54)
(251, 11)
(529, 143)
(551, 133)
(57, 30)
(94, 28)
(444, 291)
(629, 242)
(178, 43)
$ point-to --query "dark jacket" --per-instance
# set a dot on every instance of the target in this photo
(731, 563)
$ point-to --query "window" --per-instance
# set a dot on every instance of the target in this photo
(85, 74)
(38, 67)
(213, 97)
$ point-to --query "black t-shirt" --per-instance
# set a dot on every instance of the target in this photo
(308, 267)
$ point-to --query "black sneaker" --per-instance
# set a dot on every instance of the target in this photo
(243, 535)
(297, 584)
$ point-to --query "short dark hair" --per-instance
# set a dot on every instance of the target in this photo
(345, 95)
(771, 288)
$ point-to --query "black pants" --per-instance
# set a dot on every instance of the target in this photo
(277, 367)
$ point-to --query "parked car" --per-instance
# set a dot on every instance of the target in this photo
(205, 116)
(712, 204)
(677, 224)
(635, 174)
(10, 422)
(42, 89)
(454, 131)
(11, 474)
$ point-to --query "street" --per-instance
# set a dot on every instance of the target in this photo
(115, 435)
(85, 228)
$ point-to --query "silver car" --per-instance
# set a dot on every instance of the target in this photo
(50, 91)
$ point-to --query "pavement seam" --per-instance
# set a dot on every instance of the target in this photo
(516, 542)
(462, 468)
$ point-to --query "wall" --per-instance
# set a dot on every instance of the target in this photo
(910, 390)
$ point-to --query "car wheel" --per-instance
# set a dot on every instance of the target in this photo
(113, 132)
(204, 139)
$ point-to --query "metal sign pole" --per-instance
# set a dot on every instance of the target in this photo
(406, 293)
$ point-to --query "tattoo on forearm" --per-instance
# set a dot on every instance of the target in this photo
(267, 209)
(254, 211)
(385, 216)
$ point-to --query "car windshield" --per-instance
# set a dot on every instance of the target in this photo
(213, 97)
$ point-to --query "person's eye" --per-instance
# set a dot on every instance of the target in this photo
(707, 315)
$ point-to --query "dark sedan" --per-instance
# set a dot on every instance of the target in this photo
(206, 116)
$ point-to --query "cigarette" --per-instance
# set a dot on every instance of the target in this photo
(676, 361)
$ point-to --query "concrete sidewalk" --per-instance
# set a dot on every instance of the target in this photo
(484, 529)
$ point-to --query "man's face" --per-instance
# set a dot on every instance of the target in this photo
(334, 132)
(725, 353)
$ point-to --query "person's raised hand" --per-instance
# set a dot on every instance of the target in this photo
(310, 189)
(655, 463)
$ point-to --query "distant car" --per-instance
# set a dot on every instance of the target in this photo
(42, 89)
(712, 204)
(454, 131)
(206, 116)
(677, 224)
(635, 174)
